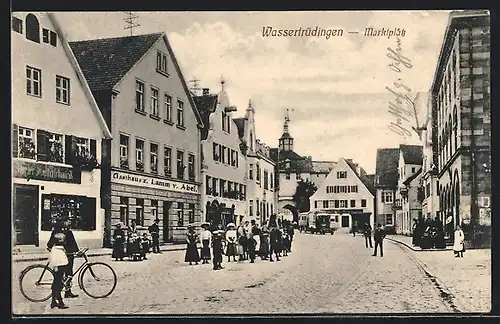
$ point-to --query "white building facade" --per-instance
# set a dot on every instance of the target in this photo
(57, 135)
(346, 190)
(386, 184)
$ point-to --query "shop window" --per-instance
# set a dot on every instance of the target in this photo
(139, 212)
(124, 210)
(79, 210)
(180, 214)
(26, 143)
(191, 213)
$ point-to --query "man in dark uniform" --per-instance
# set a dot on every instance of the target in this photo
(275, 241)
(379, 236)
(155, 236)
(291, 231)
(70, 246)
(368, 235)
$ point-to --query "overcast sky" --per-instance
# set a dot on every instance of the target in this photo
(335, 88)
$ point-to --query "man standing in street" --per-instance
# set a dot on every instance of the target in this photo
(379, 237)
(368, 235)
(154, 230)
(353, 228)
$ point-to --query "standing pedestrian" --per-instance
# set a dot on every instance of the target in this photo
(414, 231)
(70, 246)
(231, 242)
(191, 251)
(291, 233)
(440, 242)
(252, 243)
(118, 243)
(285, 238)
(264, 243)
(274, 240)
(379, 236)
(57, 261)
(206, 240)
(353, 228)
(256, 235)
(368, 235)
(217, 249)
(458, 244)
(154, 230)
(241, 237)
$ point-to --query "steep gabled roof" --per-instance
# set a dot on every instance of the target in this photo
(323, 166)
(206, 105)
(81, 76)
(365, 179)
(386, 169)
(413, 176)
(412, 154)
(106, 61)
(240, 124)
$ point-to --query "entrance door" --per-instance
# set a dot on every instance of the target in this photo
(26, 214)
(165, 221)
(345, 221)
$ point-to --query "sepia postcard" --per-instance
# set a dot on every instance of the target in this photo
(260, 163)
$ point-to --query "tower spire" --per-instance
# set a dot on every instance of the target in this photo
(222, 81)
(287, 120)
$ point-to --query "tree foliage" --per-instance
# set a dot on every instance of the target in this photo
(305, 189)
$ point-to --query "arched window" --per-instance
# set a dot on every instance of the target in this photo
(32, 28)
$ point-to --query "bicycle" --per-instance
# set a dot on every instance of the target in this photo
(47, 276)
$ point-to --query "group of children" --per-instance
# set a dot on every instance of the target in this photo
(130, 244)
(246, 241)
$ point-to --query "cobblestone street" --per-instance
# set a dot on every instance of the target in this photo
(323, 274)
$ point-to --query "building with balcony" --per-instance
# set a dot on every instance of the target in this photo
(386, 185)
(262, 199)
(224, 167)
(408, 199)
(56, 137)
(151, 170)
(347, 190)
(461, 105)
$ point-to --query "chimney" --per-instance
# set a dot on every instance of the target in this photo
(206, 91)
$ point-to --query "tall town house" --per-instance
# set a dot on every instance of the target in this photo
(151, 170)
(262, 198)
(462, 105)
(408, 199)
(291, 168)
(347, 190)
(223, 161)
(56, 139)
(386, 185)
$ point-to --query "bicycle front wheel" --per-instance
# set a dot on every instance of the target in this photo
(98, 280)
(35, 283)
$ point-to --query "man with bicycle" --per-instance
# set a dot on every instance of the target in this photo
(70, 246)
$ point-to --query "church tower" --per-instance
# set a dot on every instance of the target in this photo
(286, 140)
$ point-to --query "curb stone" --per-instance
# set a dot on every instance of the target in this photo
(446, 295)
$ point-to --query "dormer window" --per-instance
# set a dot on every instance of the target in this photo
(287, 164)
(161, 63)
(32, 28)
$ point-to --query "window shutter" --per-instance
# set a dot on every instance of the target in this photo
(68, 149)
(42, 143)
(93, 148)
(89, 214)
(15, 141)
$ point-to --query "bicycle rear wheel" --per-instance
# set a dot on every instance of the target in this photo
(98, 280)
(35, 283)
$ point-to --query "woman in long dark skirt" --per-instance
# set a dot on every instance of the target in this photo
(118, 244)
(191, 251)
(264, 243)
(206, 240)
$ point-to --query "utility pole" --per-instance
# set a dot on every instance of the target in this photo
(195, 88)
(130, 22)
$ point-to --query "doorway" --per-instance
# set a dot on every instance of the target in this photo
(26, 214)
(166, 221)
(345, 221)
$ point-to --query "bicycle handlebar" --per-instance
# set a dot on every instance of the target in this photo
(80, 252)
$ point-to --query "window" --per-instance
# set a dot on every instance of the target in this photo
(139, 212)
(208, 183)
(271, 181)
(287, 176)
(266, 179)
(191, 213)
(154, 209)
(388, 219)
(154, 102)
(342, 203)
(79, 210)
(341, 174)
(222, 153)
(353, 203)
(153, 160)
(387, 197)
(224, 120)
(412, 169)
(33, 81)
(250, 171)
(167, 161)
(26, 143)
(251, 141)
(250, 207)
(363, 202)
(222, 188)
(214, 186)
(161, 62)
(32, 28)
(139, 155)
(62, 90)
(124, 210)
(49, 37)
(191, 169)
(180, 113)
(17, 25)
(315, 204)
(329, 189)
(257, 172)
(168, 108)
(180, 165)
(325, 203)
(180, 214)
(124, 149)
(354, 189)
(139, 96)
(56, 148)
(82, 146)
(257, 207)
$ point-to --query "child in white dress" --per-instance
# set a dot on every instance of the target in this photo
(57, 262)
